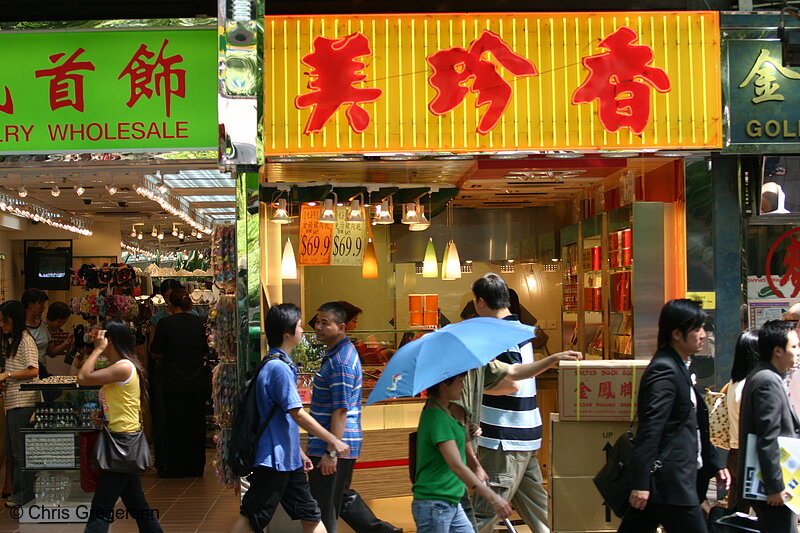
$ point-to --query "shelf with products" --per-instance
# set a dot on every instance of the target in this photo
(626, 258)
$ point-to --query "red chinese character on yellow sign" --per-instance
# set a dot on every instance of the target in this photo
(335, 72)
(66, 88)
(455, 66)
(617, 79)
(626, 390)
(159, 73)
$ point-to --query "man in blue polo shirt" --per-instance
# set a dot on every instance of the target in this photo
(336, 405)
(280, 465)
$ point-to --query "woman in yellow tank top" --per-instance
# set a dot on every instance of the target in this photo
(122, 386)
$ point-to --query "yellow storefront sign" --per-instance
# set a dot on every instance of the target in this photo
(491, 82)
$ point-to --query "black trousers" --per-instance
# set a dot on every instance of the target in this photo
(775, 518)
(185, 434)
(674, 518)
(113, 485)
(329, 490)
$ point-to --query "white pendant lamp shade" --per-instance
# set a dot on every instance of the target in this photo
(430, 269)
(327, 216)
(451, 264)
(383, 213)
(369, 269)
(281, 215)
(354, 214)
(288, 264)
(410, 215)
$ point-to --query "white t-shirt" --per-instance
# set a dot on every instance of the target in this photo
(734, 401)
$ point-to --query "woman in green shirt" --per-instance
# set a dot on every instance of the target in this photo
(442, 471)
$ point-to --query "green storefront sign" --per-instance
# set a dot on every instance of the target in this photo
(108, 91)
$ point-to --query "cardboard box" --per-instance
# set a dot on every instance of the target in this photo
(599, 390)
(575, 505)
(578, 449)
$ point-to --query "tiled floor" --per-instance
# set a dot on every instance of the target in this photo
(203, 505)
(184, 506)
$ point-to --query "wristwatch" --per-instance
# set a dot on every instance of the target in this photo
(332, 453)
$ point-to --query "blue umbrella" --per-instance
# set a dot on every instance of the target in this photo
(445, 353)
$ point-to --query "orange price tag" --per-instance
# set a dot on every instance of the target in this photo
(315, 238)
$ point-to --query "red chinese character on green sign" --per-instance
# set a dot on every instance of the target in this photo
(8, 105)
(334, 75)
(66, 88)
(617, 79)
(454, 67)
(158, 74)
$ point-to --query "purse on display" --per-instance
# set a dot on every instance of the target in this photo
(718, 422)
(126, 453)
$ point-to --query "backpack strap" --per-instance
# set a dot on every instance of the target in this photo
(268, 358)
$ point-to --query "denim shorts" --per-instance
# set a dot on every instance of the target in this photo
(439, 516)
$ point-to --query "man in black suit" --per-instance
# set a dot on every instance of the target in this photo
(767, 414)
(669, 449)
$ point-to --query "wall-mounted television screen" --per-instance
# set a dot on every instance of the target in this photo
(48, 268)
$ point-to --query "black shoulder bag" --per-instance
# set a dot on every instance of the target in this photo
(613, 481)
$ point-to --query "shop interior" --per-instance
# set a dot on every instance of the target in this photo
(592, 245)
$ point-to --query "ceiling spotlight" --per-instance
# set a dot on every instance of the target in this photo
(423, 223)
(194, 233)
(22, 192)
(327, 216)
(281, 215)
(139, 236)
(154, 233)
(133, 231)
(55, 191)
(160, 235)
(174, 231)
(181, 235)
(199, 235)
(410, 215)
(111, 190)
(355, 212)
(79, 190)
(383, 213)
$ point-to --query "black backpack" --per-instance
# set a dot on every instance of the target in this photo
(246, 427)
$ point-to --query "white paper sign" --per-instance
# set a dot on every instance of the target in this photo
(790, 465)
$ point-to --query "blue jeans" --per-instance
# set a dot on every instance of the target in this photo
(439, 516)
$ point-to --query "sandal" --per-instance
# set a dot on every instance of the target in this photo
(11, 505)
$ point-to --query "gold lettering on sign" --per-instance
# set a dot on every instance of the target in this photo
(763, 76)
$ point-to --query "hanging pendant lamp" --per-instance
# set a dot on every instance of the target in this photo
(430, 269)
(369, 268)
(288, 264)
(451, 265)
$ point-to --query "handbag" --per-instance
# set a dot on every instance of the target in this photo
(614, 479)
(718, 422)
(126, 453)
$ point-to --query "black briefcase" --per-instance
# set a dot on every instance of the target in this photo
(614, 479)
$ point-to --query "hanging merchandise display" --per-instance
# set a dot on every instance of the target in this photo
(223, 265)
(225, 378)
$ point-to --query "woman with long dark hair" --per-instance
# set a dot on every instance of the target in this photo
(122, 388)
(745, 359)
(181, 345)
(22, 366)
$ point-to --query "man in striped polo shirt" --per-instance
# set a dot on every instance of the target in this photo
(336, 405)
(511, 425)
